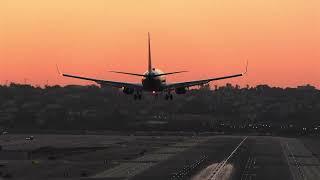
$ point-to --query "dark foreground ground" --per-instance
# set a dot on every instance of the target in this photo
(158, 157)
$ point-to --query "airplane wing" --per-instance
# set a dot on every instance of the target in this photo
(198, 82)
(201, 82)
(108, 83)
(104, 82)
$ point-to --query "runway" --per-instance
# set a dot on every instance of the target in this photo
(134, 167)
(159, 157)
(303, 164)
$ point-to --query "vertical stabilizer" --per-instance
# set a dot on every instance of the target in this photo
(149, 55)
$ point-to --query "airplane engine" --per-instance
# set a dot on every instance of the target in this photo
(181, 90)
(127, 90)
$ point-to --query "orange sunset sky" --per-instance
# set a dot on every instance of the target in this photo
(210, 38)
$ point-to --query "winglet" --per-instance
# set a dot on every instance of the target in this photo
(58, 70)
(246, 68)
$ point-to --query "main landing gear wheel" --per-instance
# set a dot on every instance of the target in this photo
(137, 97)
(168, 97)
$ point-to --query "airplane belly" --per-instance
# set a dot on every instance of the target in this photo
(152, 85)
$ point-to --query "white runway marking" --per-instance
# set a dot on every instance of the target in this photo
(213, 171)
(226, 160)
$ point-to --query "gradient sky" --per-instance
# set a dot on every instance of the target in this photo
(281, 39)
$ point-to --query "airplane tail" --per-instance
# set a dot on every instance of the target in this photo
(149, 65)
(149, 55)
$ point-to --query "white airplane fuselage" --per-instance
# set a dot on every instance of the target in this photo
(153, 83)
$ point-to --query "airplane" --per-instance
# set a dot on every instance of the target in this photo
(153, 80)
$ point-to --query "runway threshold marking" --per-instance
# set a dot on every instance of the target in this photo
(226, 160)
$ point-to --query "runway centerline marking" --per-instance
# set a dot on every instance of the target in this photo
(226, 160)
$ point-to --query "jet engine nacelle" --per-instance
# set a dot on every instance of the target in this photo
(127, 90)
(181, 90)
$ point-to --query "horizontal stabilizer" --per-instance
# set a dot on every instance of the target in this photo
(132, 74)
(170, 73)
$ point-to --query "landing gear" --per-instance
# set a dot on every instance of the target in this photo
(169, 97)
(137, 96)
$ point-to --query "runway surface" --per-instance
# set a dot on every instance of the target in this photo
(158, 157)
